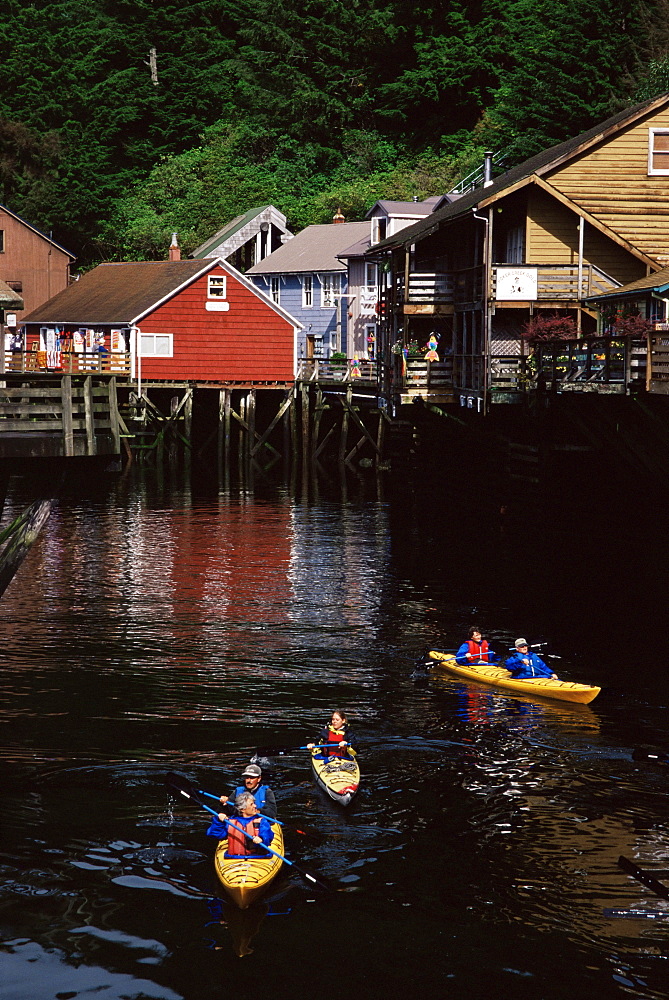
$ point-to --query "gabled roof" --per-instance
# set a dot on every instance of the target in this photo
(657, 282)
(122, 294)
(358, 249)
(539, 165)
(408, 209)
(38, 231)
(314, 249)
(229, 230)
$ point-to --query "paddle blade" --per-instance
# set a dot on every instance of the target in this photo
(271, 751)
(644, 876)
(651, 756)
(178, 785)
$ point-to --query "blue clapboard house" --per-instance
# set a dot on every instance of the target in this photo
(306, 277)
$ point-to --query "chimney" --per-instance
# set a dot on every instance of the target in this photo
(175, 249)
(487, 169)
(338, 217)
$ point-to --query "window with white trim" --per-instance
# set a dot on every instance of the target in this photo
(330, 289)
(217, 286)
(307, 291)
(156, 345)
(379, 229)
(371, 275)
(275, 288)
(658, 151)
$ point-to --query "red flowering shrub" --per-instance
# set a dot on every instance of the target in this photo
(552, 327)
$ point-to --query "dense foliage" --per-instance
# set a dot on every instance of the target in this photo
(309, 105)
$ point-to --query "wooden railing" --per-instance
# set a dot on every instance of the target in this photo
(73, 419)
(430, 376)
(66, 362)
(561, 281)
(430, 287)
(658, 356)
(508, 373)
(438, 287)
(592, 362)
(322, 370)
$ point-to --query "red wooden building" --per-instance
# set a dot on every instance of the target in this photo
(199, 321)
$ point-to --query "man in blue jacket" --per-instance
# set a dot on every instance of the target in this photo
(263, 794)
(525, 665)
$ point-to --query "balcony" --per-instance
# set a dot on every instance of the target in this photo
(556, 284)
(434, 293)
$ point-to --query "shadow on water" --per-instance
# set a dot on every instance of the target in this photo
(168, 625)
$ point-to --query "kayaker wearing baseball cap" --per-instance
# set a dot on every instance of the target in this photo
(525, 665)
(263, 794)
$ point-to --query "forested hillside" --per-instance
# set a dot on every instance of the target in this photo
(309, 105)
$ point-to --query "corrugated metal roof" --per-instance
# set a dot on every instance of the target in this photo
(540, 164)
(118, 293)
(314, 249)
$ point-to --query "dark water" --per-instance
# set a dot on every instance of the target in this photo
(160, 626)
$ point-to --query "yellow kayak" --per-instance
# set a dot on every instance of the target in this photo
(338, 776)
(544, 687)
(245, 879)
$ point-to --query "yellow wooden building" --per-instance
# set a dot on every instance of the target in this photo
(577, 220)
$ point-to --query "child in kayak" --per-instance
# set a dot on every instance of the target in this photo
(526, 665)
(244, 829)
(338, 734)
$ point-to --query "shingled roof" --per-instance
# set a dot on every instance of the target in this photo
(118, 293)
(540, 164)
(314, 249)
(657, 282)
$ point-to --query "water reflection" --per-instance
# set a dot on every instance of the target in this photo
(156, 627)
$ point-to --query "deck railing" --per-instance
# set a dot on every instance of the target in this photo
(593, 362)
(72, 418)
(658, 356)
(66, 362)
(325, 370)
(560, 282)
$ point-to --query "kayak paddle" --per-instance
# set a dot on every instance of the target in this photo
(654, 758)
(637, 914)
(227, 805)
(646, 878)
(181, 786)
(280, 751)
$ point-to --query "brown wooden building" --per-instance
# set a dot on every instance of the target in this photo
(580, 219)
(31, 263)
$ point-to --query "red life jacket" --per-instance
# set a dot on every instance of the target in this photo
(478, 651)
(237, 842)
(336, 736)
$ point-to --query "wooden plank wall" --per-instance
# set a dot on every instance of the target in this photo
(612, 182)
(552, 238)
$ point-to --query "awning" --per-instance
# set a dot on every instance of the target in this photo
(9, 299)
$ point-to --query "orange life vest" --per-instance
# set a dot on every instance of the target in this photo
(478, 651)
(238, 844)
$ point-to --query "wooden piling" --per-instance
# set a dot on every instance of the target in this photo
(68, 426)
(91, 446)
